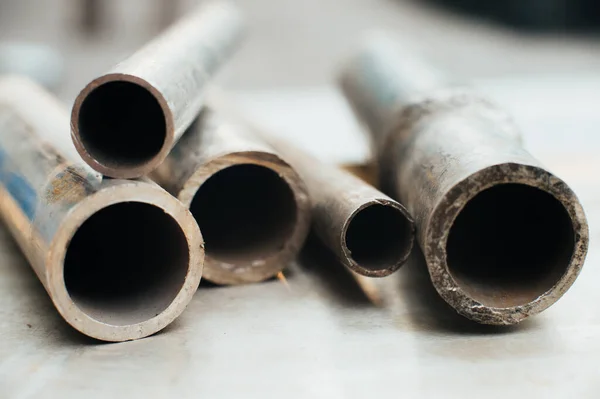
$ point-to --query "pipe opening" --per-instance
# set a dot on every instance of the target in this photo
(378, 237)
(126, 263)
(121, 124)
(510, 244)
(246, 213)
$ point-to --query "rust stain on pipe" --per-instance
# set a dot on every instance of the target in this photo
(120, 259)
(252, 207)
(369, 232)
(502, 236)
(125, 122)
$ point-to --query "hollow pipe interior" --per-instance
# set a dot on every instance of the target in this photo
(510, 244)
(245, 212)
(126, 263)
(122, 124)
(376, 237)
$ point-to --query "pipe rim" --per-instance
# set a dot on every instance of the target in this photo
(445, 213)
(123, 172)
(113, 194)
(399, 261)
(220, 272)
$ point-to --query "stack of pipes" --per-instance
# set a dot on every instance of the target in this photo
(162, 182)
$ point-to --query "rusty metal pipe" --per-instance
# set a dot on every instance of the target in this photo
(251, 206)
(369, 232)
(125, 122)
(502, 236)
(120, 259)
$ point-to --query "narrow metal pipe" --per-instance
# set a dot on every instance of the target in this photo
(125, 122)
(120, 259)
(502, 236)
(252, 207)
(370, 233)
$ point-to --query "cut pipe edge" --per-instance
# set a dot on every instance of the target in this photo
(345, 208)
(471, 280)
(509, 296)
(105, 316)
(457, 162)
(377, 238)
(125, 122)
(140, 154)
(264, 247)
(119, 259)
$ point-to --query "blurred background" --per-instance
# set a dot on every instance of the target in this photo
(300, 43)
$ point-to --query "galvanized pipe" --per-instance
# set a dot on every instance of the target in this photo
(503, 237)
(120, 259)
(125, 122)
(370, 233)
(252, 207)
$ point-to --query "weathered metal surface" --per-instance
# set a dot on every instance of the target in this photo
(251, 333)
(119, 259)
(125, 122)
(369, 232)
(252, 207)
(502, 236)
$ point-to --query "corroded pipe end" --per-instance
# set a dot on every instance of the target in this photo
(122, 126)
(125, 122)
(505, 243)
(377, 238)
(503, 238)
(125, 263)
(254, 212)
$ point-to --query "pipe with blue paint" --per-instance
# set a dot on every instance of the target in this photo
(120, 259)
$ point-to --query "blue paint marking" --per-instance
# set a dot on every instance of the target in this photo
(17, 186)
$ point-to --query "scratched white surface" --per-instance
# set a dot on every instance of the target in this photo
(322, 339)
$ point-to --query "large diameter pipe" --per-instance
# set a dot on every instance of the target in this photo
(120, 259)
(125, 122)
(252, 207)
(503, 237)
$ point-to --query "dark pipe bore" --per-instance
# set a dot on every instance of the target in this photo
(121, 124)
(245, 212)
(510, 244)
(377, 237)
(126, 263)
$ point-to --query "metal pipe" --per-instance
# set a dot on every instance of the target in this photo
(502, 236)
(125, 122)
(120, 259)
(251, 206)
(370, 233)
